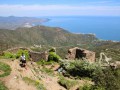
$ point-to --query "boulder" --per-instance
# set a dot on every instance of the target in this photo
(79, 53)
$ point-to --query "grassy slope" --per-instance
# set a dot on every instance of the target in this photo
(111, 49)
(6, 69)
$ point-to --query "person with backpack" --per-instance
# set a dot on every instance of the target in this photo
(23, 60)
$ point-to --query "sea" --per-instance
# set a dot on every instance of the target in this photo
(104, 27)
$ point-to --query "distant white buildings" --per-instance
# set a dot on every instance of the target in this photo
(27, 25)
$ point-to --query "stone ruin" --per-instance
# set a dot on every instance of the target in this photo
(35, 56)
(79, 53)
(73, 53)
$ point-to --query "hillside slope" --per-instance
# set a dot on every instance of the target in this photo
(24, 79)
(44, 35)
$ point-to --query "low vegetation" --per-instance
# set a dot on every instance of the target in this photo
(8, 55)
(2, 86)
(80, 68)
(17, 55)
(5, 68)
(53, 56)
(68, 84)
(107, 79)
(43, 62)
(6, 71)
(25, 52)
(85, 87)
(104, 78)
(47, 71)
(38, 85)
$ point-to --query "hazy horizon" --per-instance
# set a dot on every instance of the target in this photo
(35, 8)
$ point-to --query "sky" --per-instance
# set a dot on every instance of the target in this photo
(59, 8)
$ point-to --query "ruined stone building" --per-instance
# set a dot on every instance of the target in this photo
(79, 53)
(36, 56)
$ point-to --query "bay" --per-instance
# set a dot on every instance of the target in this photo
(106, 28)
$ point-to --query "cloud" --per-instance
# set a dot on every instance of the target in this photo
(52, 10)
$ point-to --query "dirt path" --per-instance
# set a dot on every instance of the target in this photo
(51, 83)
(15, 82)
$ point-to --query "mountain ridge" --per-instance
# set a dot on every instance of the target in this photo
(13, 22)
(44, 35)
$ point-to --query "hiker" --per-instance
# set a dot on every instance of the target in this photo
(23, 60)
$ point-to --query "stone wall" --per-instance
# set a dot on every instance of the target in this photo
(79, 53)
(36, 56)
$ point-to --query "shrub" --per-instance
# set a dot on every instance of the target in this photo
(9, 55)
(52, 50)
(81, 68)
(19, 53)
(94, 87)
(53, 57)
(2, 86)
(47, 71)
(5, 68)
(38, 85)
(85, 87)
(90, 87)
(43, 62)
(107, 79)
(68, 84)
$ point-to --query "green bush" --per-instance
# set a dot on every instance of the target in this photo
(53, 57)
(38, 85)
(52, 50)
(90, 87)
(2, 86)
(47, 71)
(68, 84)
(43, 62)
(81, 68)
(25, 52)
(5, 68)
(107, 79)
(9, 55)
(85, 87)
(94, 87)
(17, 55)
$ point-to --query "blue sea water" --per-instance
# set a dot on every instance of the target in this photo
(106, 28)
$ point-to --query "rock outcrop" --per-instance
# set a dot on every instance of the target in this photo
(79, 53)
